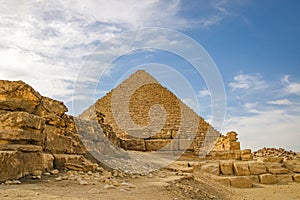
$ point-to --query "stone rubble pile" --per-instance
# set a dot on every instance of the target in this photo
(274, 152)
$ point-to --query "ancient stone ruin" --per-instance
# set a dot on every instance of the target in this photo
(139, 115)
(175, 128)
(36, 134)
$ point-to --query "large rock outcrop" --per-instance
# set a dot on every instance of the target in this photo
(34, 132)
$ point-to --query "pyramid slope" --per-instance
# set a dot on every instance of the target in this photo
(141, 114)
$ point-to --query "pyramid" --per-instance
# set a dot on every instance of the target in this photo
(142, 115)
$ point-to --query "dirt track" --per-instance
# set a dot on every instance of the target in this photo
(162, 185)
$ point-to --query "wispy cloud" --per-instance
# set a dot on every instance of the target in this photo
(291, 87)
(248, 81)
(204, 93)
(268, 128)
(280, 102)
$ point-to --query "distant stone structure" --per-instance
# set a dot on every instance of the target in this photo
(141, 115)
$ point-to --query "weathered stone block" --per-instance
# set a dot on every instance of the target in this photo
(56, 143)
(17, 95)
(159, 144)
(278, 170)
(226, 167)
(186, 144)
(296, 169)
(241, 182)
(50, 106)
(212, 168)
(257, 168)
(20, 147)
(241, 168)
(291, 164)
(21, 120)
(268, 179)
(285, 178)
(73, 162)
(133, 144)
(296, 177)
(246, 154)
(15, 164)
(22, 135)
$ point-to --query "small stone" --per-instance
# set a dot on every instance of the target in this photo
(108, 186)
(13, 182)
(54, 172)
(65, 177)
(116, 183)
(115, 173)
(36, 177)
(83, 182)
(100, 169)
(47, 174)
(90, 173)
(58, 178)
(37, 173)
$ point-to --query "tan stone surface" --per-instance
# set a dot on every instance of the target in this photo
(296, 177)
(141, 93)
(241, 182)
(268, 179)
(16, 95)
(226, 167)
(257, 168)
(212, 168)
(241, 168)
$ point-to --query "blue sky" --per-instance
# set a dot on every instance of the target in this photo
(254, 44)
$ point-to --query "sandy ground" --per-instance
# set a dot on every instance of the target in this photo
(168, 187)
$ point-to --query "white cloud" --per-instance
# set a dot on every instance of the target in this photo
(271, 128)
(291, 87)
(280, 102)
(247, 81)
(203, 93)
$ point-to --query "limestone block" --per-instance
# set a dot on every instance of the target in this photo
(73, 162)
(17, 95)
(257, 168)
(15, 165)
(280, 170)
(56, 142)
(241, 182)
(241, 168)
(157, 144)
(20, 147)
(284, 178)
(212, 168)
(47, 161)
(21, 120)
(222, 180)
(268, 179)
(54, 120)
(296, 169)
(133, 144)
(291, 164)
(186, 144)
(296, 177)
(246, 154)
(226, 167)
(54, 106)
(22, 135)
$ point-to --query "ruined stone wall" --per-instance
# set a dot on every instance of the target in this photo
(154, 119)
(35, 132)
(228, 142)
